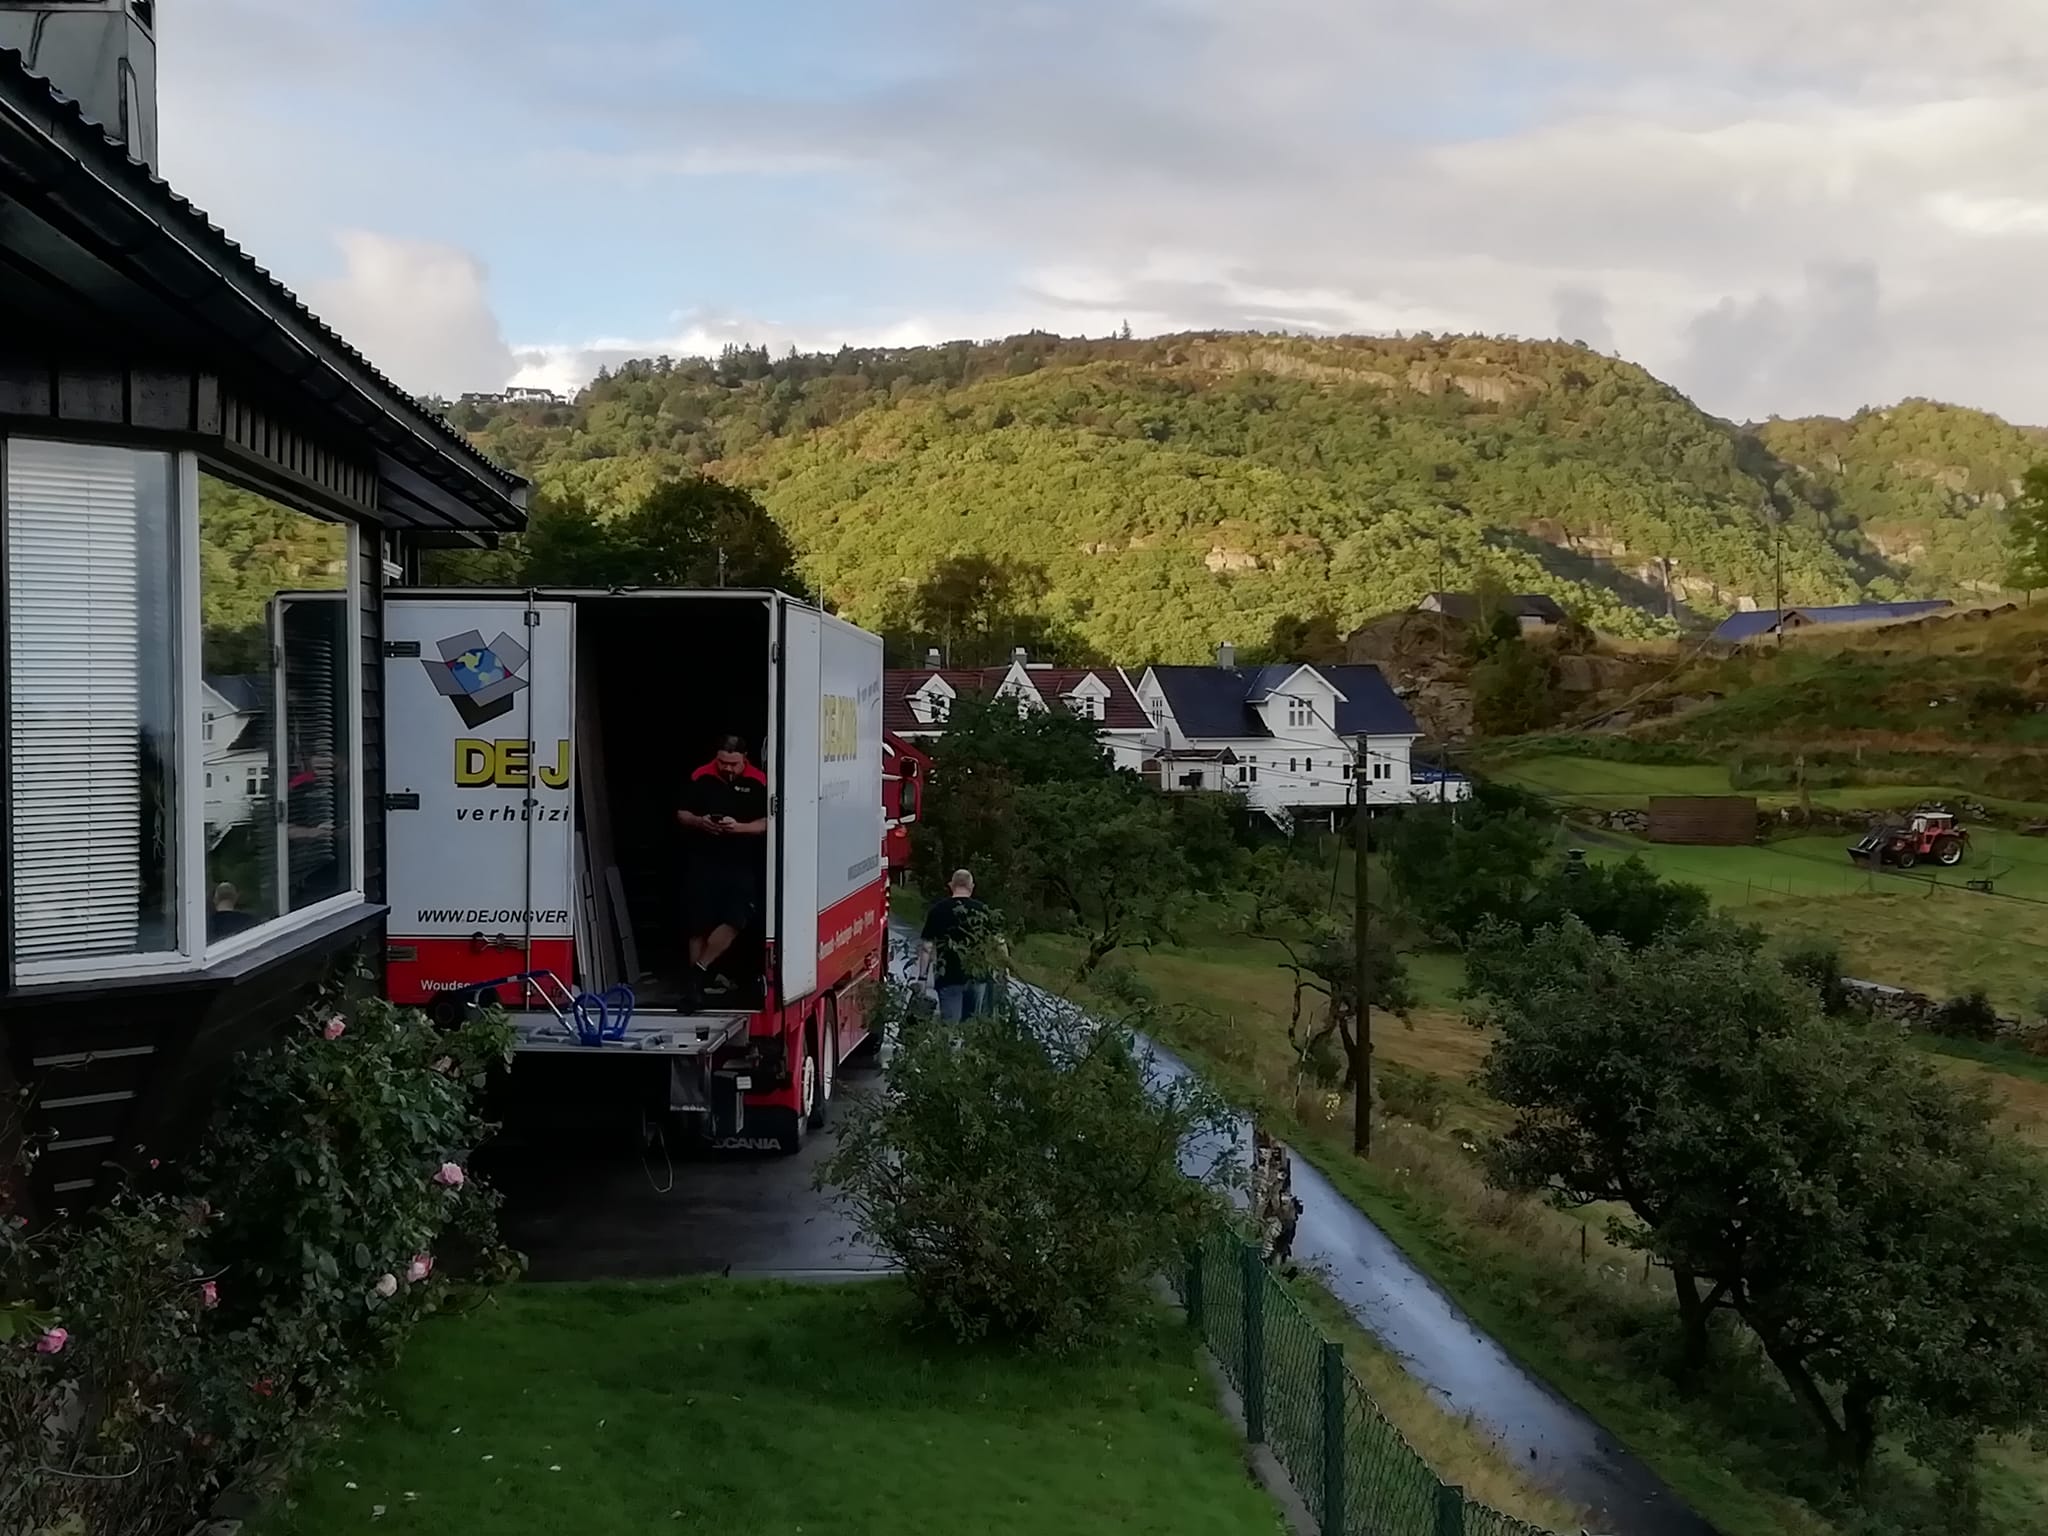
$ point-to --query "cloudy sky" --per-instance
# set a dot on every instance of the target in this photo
(1780, 205)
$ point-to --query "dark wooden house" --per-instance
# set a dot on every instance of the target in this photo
(143, 353)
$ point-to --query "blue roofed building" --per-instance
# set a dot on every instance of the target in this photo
(1294, 738)
(1760, 623)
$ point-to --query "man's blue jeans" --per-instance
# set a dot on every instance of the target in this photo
(963, 1001)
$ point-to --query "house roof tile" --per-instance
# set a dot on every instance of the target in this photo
(1219, 701)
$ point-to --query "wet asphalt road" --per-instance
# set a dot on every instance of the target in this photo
(585, 1210)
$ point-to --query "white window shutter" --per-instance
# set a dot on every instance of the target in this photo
(76, 646)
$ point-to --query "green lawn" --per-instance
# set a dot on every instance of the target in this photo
(1928, 933)
(1598, 782)
(766, 1408)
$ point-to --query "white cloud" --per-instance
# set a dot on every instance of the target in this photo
(1779, 207)
(419, 311)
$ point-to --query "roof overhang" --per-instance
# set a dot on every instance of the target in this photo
(108, 257)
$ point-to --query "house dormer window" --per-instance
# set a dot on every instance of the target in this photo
(1086, 705)
(1300, 713)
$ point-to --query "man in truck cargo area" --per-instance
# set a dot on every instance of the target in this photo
(724, 817)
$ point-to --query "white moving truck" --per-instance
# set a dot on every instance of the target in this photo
(538, 746)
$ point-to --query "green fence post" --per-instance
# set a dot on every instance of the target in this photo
(1196, 1320)
(1254, 1344)
(1450, 1510)
(1333, 1439)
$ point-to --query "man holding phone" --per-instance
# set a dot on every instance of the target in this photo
(724, 817)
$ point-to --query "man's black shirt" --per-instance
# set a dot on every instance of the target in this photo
(960, 929)
(743, 797)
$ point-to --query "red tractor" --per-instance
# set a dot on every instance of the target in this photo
(1931, 834)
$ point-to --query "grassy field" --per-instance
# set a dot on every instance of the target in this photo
(718, 1405)
(1927, 933)
(1547, 1284)
(1601, 783)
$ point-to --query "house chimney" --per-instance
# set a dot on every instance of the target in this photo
(100, 53)
(931, 658)
(1018, 656)
(1226, 655)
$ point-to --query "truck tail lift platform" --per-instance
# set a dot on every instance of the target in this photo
(539, 744)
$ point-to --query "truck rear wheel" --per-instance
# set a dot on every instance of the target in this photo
(818, 1062)
(1948, 850)
(793, 1127)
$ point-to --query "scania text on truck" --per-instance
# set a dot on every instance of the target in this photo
(539, 747)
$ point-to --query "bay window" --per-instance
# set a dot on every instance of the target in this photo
(183, 665)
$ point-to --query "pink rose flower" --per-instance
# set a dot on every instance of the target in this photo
(422, 1265)
(209, 1295)
(336, 1028)
(387, 1286)
(53, 1342)
(450, 1176)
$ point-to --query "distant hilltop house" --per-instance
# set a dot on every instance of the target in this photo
(918, 701)
(1761, 623)
(1293, 738)
(516, 395)
(1532, 610)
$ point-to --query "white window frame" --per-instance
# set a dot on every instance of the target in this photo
(193, 953)
(1301, 712)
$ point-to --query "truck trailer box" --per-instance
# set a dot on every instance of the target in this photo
(539, 744)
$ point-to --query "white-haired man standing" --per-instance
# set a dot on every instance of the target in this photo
(960, 940)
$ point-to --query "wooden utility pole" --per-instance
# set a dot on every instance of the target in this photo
(1778, 572)
(1361, 1059)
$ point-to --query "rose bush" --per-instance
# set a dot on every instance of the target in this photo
(202, 1333)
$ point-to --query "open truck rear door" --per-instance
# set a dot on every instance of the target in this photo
(479, 771)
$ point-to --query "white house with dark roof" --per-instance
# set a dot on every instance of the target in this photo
(1292, 739)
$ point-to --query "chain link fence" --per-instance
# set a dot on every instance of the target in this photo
(1345, 1458)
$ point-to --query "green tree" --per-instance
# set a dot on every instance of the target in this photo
(2027, 532)
(1819, 1182)
(1317, 637)
(1026, 1178)
(699, 532)
(1058, 838)
(566, 544)
(1033, 746)
(1628, 900)
(1512, 685)
(1290, 908)
(1105, 862)
(1455, 867)
(976, 610)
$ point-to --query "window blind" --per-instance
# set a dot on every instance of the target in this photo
(89, 595)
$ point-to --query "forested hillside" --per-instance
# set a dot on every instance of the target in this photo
(1167, 493)
(1925, 483)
